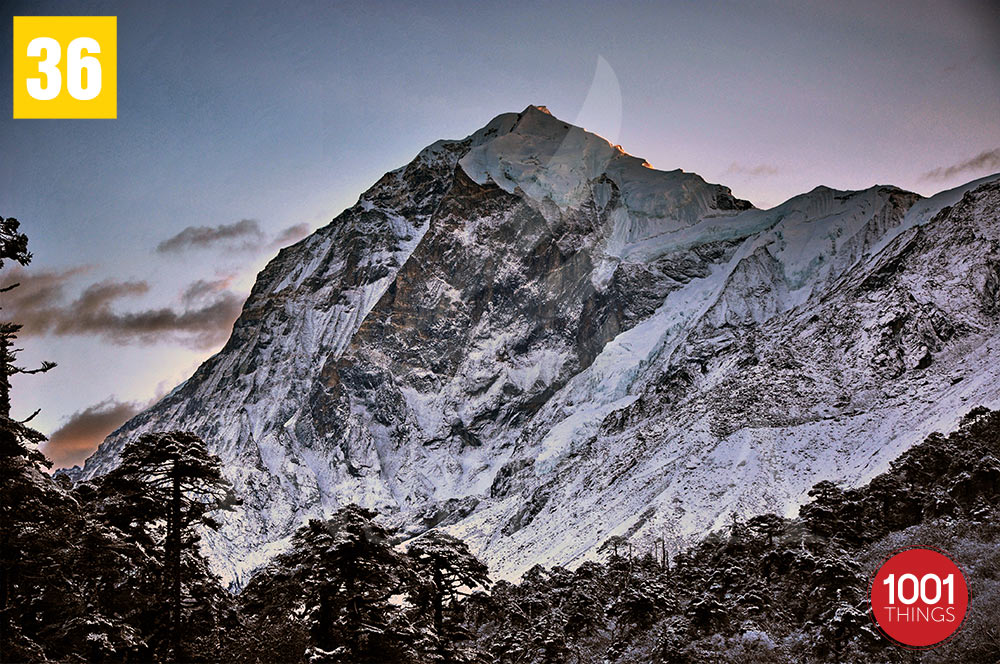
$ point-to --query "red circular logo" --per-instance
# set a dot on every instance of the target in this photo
(919, 598)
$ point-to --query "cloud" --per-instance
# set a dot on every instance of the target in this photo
(289, 235)
(756, 170)
(244, 235)
(41, 284)
(987, 160)
(202, 291)
(41, 306)
(84, 430)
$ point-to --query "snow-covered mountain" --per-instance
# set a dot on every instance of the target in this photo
(536, 341)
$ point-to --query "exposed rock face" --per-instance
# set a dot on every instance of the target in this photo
(536, 341)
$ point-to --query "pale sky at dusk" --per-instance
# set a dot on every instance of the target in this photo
(251, 123)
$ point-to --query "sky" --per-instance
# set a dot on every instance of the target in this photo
(242, 126)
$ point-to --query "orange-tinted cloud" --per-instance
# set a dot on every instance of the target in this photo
(41, 306)
(84, 430)
(289, 235)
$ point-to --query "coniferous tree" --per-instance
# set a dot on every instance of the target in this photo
(764, 527)
(345, 570)
(14, 246)
(449, 566)
(170, 483)
(616, 545)
(49, 590)
(22, 486)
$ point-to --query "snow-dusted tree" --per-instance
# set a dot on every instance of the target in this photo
(22, 488)
(14, 246)
(449, 567)
(616, 545)
(823, 515)
(764, 527)
(340, 576)
(174, 484)
(60, 570)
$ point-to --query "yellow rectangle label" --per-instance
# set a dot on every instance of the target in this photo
(65, 67)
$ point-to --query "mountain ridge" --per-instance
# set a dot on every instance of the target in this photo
(495, 338)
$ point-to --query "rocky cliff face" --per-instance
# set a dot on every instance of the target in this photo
(535, 341)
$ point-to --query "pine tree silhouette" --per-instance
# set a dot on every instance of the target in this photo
(450, 566)
(20, 460)
(172, 478)
(15, 435)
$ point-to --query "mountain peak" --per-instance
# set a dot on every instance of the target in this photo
(549, 159)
